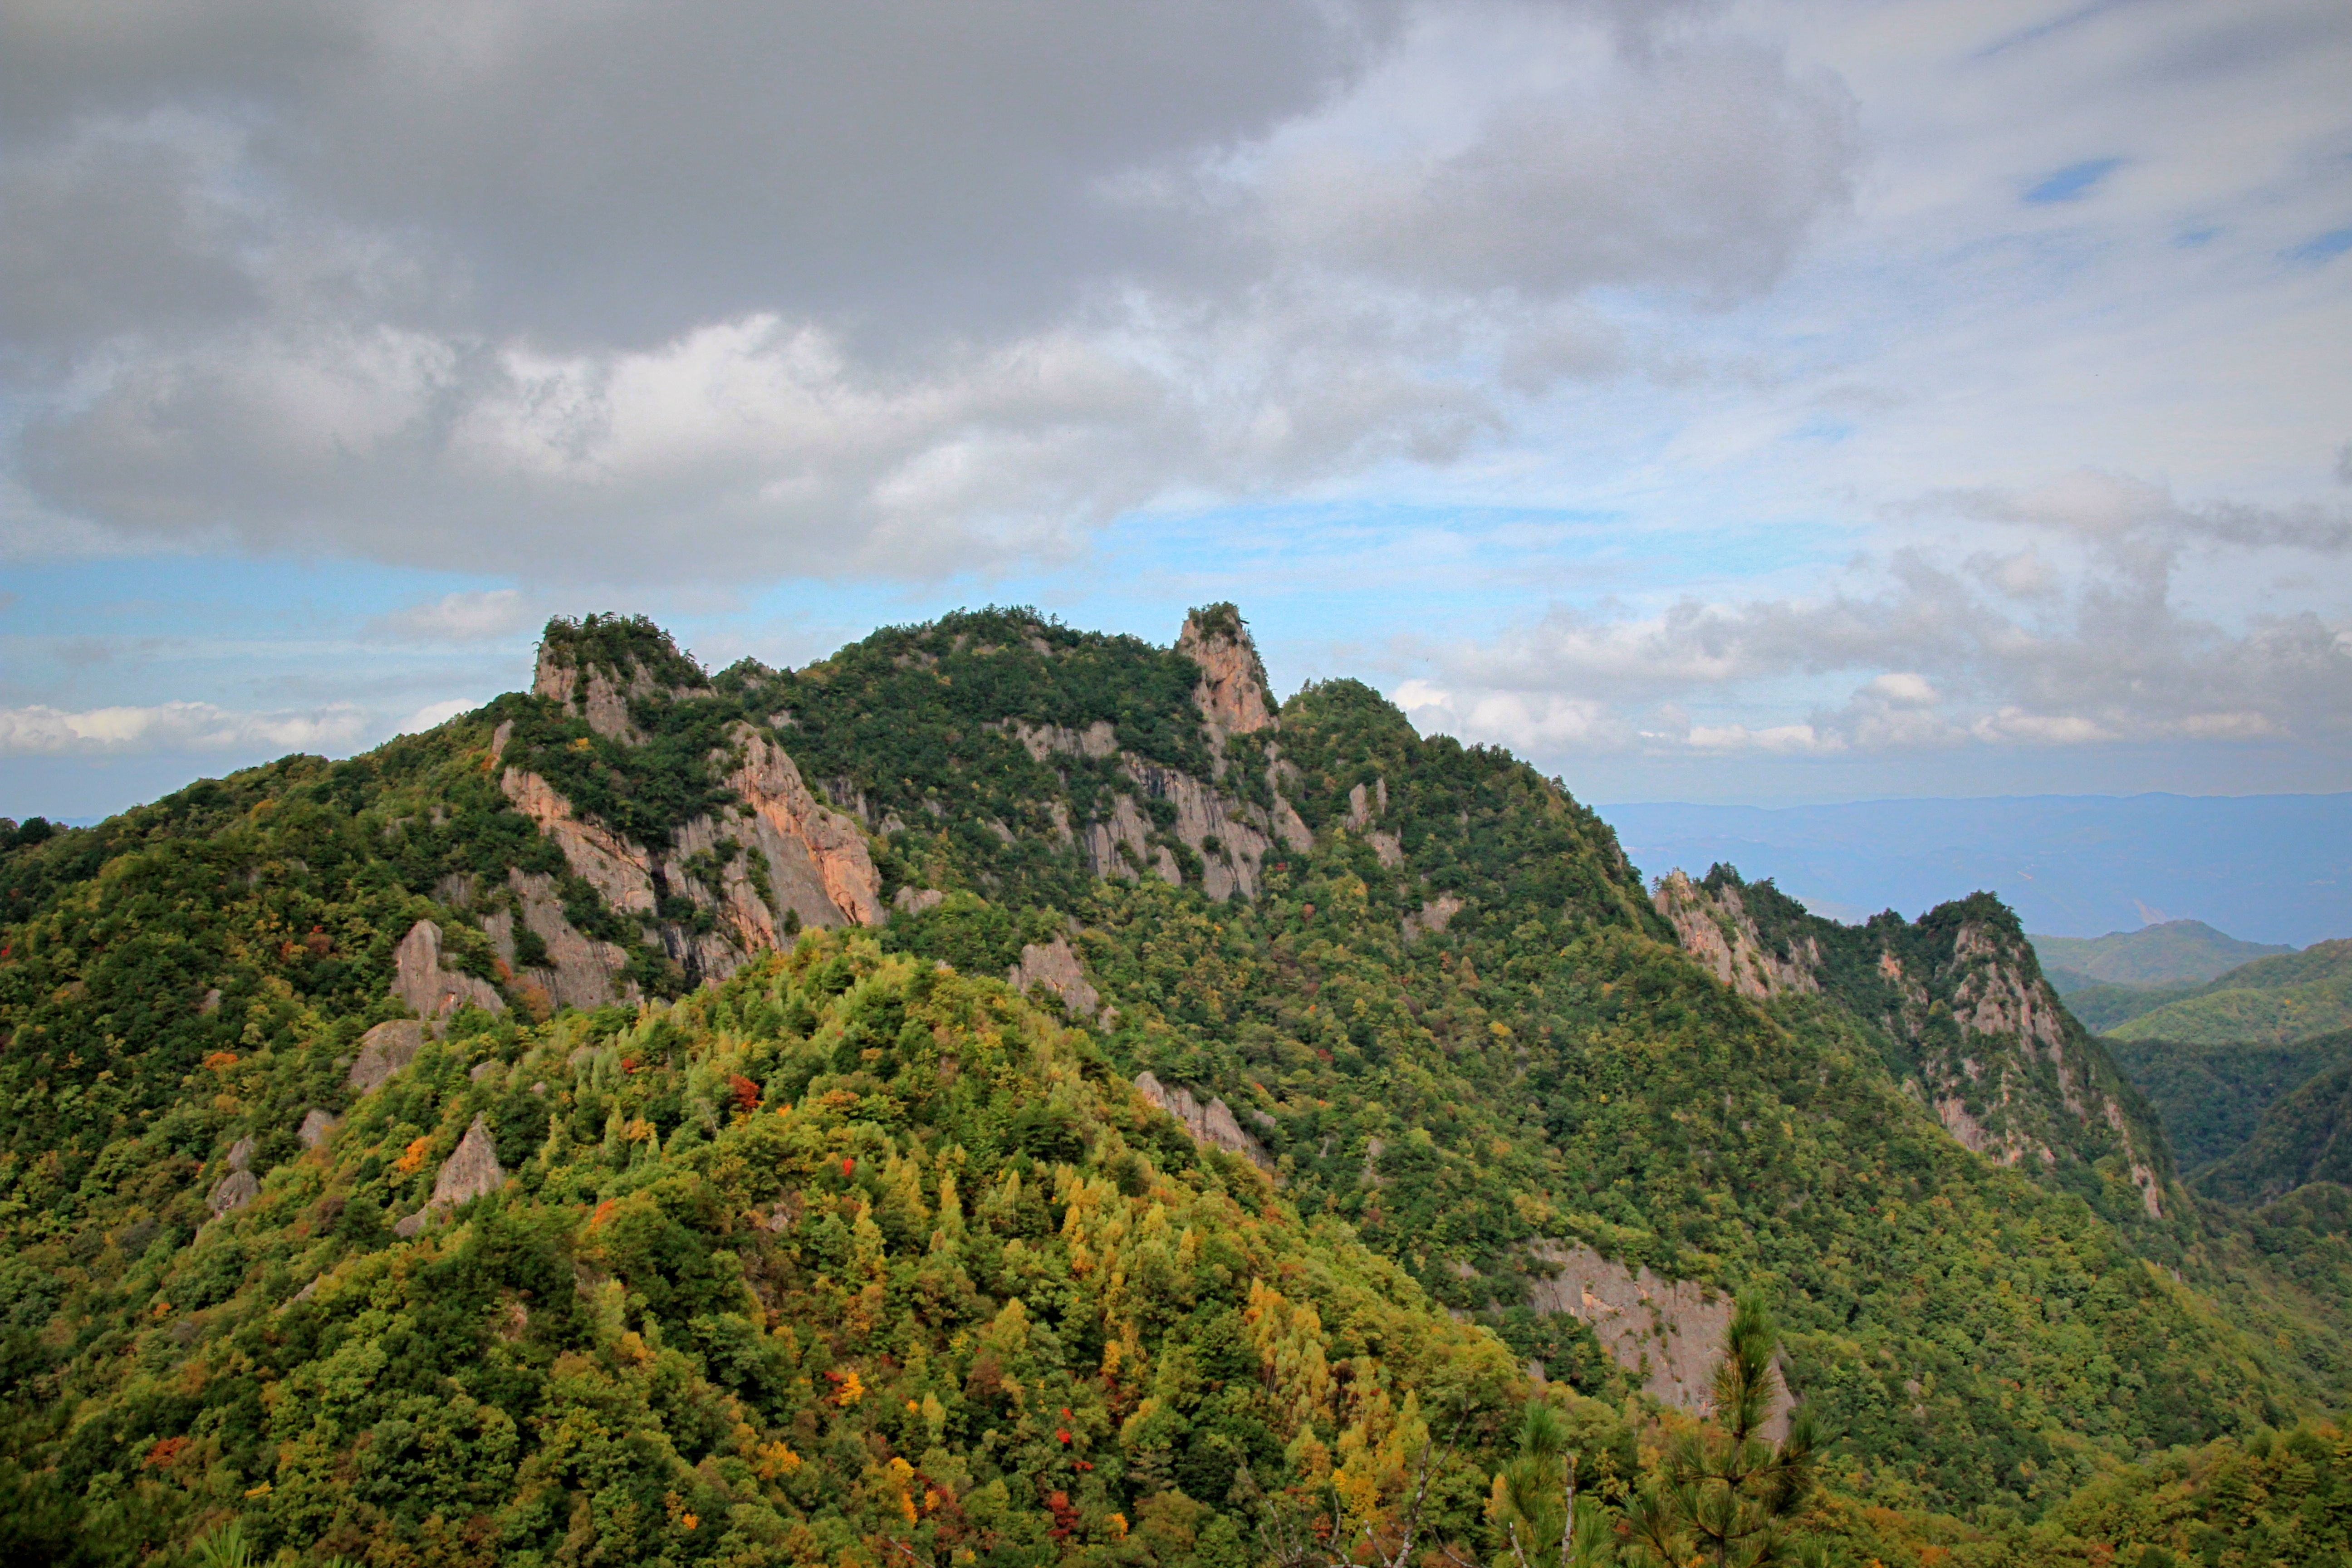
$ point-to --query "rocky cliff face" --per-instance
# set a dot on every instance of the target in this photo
(1212, 1123)
(1958, 1003)
(776, 862)
(597, 668)
(1666, 1332)
(1232, 694)
(1717, 930)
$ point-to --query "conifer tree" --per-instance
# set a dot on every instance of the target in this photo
(1728, 1494)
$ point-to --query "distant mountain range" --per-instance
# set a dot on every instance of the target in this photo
(2173, 953)
(2271, 869)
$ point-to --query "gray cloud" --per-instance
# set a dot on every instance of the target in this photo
(1999, 650)
(901, 289)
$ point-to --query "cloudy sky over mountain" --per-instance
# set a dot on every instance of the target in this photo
(1794, 399)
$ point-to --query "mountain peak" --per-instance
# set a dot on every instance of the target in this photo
(1231, 694)
(595, 667)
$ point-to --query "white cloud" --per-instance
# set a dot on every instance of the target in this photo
(1229, 250)
(1948, 654)
(176, 726)
(433, 715)
(460, 617)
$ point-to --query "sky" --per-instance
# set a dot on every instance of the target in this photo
(1758, 401)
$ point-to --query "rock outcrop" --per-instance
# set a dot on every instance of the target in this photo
(1231, 837)
(1970, 1027)
(1213, 1123)
(471, 1171)
(1667, 1332)
(238, 1186)
(601, 693)
(1716, 928)
(817, 861)
(1054, 965)
(1231, 693)
(1433, 915)
(615, 867)
(317, 1128)
(233, 1190)
(778, 852)
(579, 970)
(432, 992)
(384, 1051)
(2015, 1049)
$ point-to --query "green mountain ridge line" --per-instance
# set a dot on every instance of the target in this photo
(1009, 1094)
(2293, 996)
(2169, 953)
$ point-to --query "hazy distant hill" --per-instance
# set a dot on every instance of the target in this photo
(2173, 953)
(2270, 868)
(2103, 1006)
(2291, 997)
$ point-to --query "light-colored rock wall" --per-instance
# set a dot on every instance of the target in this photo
(432, 992)
(1667, 1332)
(817, 861)
(1054, 965)
(384, 1051)
(1213, 1123)
(1231, 694)
(619, 871)
(471, 1171)
(581, 971)
(1717, 930)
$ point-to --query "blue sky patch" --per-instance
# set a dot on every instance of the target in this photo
(2323, 248)
(2074, 182)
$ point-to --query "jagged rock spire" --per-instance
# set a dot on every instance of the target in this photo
(1232, 694)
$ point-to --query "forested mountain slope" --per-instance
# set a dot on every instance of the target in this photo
(2291, 997)
(1405, 1027)
(2212, 1096)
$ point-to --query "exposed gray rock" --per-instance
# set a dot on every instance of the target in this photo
(472, 1170)
(233, 1190)
(580, 972)
(1212, 1123)
(384, 1051)
(1433, 915)
(915, 901)
(210, 1003)
(1054, 966)
(1717, 930)
(432, 992)
(317, 1128)
(240, 1155)
(1232, 694)
(1667, 1332)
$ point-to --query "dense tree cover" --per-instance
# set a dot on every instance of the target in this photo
(2170, 952)
(2212, 1096)
(851, 1256)
(2266, 1498)
(2102, 1007)
(1456, 1026)
(2291, 997)
(2300, 1139)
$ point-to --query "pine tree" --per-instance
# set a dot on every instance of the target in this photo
(1726, 1493)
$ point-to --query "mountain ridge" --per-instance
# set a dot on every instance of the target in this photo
(1396, 994)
